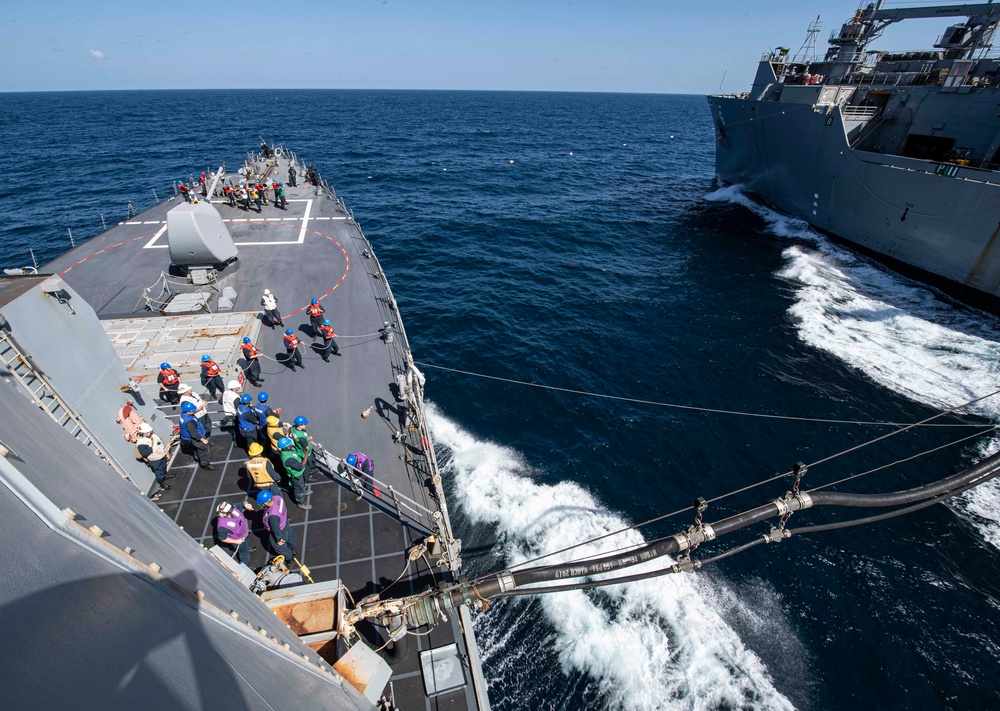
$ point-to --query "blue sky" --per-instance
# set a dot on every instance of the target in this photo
(548, 45)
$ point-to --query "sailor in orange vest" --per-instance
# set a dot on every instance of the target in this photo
(251, 356)
(326, 332)
(168, 380)
(292, 343)
(315, 312)
(211, 376)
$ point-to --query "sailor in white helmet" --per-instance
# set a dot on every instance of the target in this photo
(230, 399)
(271, 314)
(150, 449)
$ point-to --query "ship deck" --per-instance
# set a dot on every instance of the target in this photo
(313, 249)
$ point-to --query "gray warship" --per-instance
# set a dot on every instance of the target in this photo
(122, 596)
(896, 152)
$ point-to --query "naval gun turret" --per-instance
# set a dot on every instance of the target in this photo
(199, 240)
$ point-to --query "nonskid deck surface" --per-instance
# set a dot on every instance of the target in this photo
(311, 250)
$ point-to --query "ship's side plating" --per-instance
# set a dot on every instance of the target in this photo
(894, 152)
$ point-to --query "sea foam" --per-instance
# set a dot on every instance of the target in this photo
(893, 330)
(662, 643)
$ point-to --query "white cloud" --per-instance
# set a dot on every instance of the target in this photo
(96, 54)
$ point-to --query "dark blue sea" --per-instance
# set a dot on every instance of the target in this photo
(581, 241)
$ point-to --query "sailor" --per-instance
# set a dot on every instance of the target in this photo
(282, 537)
(303, 443)
(271, 314)
(327, 334)
(246, 420)
(194, 435)
(315, 312)
(293, 357)
(184, 191)
(251, 355)
(260, 471)
(211, 376)
(201, 407)
(361, 462)
(230, 400)
(233, 530)
(276, 429)
(264, 408)
(261, 188)
(295, 468)
(291, 176)
(244, 197)
(150, 449)
(279, 196)
(230, 194)
(168, 380)
(203, 181)
(255, 196)
(274, 187)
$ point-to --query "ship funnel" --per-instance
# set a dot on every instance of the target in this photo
(198, 237)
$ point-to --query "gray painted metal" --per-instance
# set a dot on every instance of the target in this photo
(197, 236)
(839, 155)
(311, 249)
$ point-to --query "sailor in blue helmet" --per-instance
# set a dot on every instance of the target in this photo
(303, 443)
(360, 462)
(193, 435)
(292, 343)
(280, 197)
(295, 468)
(247, 421)
(315, 312)
(251, 355)
(281, 535)
(327, 334)
(264, 410)
(184, 191)
(169, 380)
(211, 376)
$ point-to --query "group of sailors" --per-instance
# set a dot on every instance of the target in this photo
(254, 191)
(258, 428)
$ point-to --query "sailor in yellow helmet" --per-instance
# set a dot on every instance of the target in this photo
(261, 472)
(275, 431)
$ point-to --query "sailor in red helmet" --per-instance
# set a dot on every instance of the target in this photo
(292, 343)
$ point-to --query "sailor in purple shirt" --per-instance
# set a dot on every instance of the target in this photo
(282, 537)
(233, 530)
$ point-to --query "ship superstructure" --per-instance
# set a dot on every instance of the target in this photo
(122, 601)
(896, 152)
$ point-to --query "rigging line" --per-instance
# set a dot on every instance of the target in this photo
(700, 409)
(737, 491)
(904, 429)
(901, 461)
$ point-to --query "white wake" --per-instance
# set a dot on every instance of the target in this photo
(893, 330)
(656, 644)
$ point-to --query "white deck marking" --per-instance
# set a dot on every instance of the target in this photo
(151, 244)
(153, 222)
(305, 221)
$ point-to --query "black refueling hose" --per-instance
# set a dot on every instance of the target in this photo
(508, 583)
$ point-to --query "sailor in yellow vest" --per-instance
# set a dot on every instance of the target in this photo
(261, 472)
(275, 431)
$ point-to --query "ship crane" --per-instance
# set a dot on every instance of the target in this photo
(849, 43)
(401, 616)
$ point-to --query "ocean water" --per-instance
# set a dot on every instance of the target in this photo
(582, 241)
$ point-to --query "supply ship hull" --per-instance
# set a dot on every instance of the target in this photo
(894, 153)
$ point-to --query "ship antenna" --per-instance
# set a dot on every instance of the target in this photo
(808, 48)
(722, 80)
